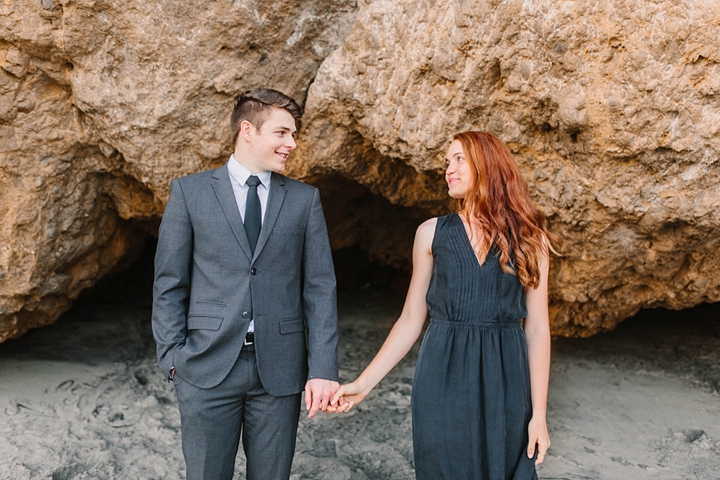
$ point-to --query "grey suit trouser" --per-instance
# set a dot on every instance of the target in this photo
(212, 421)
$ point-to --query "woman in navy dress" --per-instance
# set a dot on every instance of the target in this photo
(480, 389)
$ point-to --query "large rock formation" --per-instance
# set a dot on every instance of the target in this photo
(101, 104)
(611, 108)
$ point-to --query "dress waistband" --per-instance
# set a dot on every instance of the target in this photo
(455, 323)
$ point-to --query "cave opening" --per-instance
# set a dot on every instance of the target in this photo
(371, 240)
(132, 285)
(669, 338)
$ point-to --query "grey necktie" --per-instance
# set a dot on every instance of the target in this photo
(253, 215)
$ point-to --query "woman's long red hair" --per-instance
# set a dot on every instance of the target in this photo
(499, 210)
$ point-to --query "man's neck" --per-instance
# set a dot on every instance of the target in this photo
(242, 159)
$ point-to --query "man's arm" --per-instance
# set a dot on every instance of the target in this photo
(171, 287)
(320, 308)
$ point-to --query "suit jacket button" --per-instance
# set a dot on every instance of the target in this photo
(253, 271)
(246, 315)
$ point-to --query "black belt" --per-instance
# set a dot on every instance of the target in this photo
(249, 338)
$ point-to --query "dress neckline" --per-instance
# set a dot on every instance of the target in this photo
(467, 242)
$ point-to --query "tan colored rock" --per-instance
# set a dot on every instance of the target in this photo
(61, 227)
(611, 108)
(102, 103)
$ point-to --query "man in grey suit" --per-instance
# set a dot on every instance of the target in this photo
(244, 305)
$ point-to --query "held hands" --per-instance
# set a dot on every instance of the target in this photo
(347, 396)
(318, 393)
(330, 397)
(538, 435)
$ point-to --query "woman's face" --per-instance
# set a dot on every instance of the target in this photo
(457, 174)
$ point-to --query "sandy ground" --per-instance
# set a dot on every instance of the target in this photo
(84, 399)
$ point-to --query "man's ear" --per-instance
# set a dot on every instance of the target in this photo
(246, 130)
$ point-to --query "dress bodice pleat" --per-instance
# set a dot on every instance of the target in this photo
(462, 290)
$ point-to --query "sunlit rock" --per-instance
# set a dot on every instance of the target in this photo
(611, 108)
(102, 103)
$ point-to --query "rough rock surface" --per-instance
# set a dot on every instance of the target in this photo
(612, 110)
(101, 104)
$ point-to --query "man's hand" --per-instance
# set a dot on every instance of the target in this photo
(318, 393)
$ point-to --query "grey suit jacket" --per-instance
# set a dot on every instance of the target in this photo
(208, 285)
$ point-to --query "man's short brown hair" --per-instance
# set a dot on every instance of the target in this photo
(254, 106)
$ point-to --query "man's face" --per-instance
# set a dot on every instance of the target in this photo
(270, 146)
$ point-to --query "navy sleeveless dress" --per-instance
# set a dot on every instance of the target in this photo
(471, 399)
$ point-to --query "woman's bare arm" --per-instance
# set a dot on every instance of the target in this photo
(537, 333)
(406, 330)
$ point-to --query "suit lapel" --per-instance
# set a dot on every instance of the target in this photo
(274, 202)
(225, 195)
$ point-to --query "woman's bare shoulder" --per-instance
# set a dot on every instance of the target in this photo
(427, 227)
(426, 232)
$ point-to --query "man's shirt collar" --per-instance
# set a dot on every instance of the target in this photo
(241, 174)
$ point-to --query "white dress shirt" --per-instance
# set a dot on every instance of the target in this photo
(238, 177)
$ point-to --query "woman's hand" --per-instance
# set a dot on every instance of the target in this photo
(538, 435)
(404, 333)
(345, 397)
